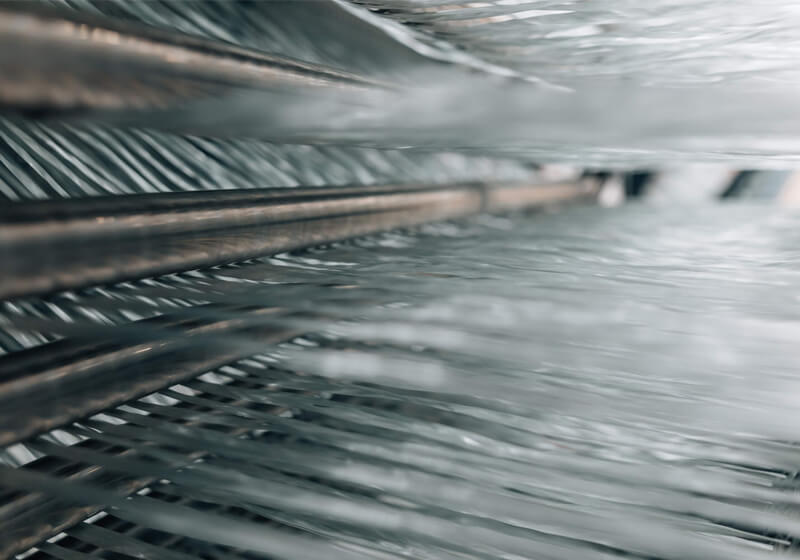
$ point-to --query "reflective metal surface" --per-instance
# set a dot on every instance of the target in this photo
(576, 385)
(52, 246)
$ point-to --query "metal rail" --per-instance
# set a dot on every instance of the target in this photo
(58, 245)
(54, 62)
(98, 378)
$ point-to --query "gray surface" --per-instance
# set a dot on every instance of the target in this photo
(573, 385)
